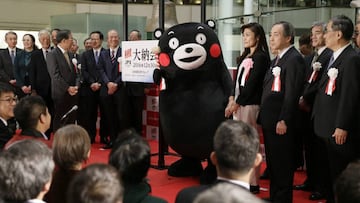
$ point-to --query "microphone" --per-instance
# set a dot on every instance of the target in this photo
(74, 108)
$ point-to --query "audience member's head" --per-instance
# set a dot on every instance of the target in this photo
(71, 147)
(8, 101)
(236, 147)
(226, 193)
(339, 32)
(74, 46)
(282, 35)
(29, 42)
(317, 34)
(356, 36)
(64, 39)
(130, 155)
(113, 39)
(53, 35)
(347, 186)
(305, 46)
(97, 183)
(31, 113)
(25, 171)
(44, 38)
(97, 39)
(11, 39)
(87, 44)
(134, 35)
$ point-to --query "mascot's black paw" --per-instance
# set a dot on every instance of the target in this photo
(185, 167)
(209, 175)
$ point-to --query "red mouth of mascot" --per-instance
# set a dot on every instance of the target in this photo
(190, 59)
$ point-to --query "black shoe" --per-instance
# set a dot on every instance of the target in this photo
(107, 146)
(316, 196)
(255, 189)
(104, 140)
(185, 167)
(303, 187)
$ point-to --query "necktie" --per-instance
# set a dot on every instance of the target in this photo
(45, 53)
(330, 62)
(67, 59)
(112, 56)
(315, 58)
(276, 60)
(96, 56)
(12, 55)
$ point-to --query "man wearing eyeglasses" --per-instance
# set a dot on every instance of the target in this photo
(7, 104)
(336, 111)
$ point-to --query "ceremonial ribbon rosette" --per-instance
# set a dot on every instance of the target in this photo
(247, 64)
(330, 87)
(74, 61)
(316, 68)
(276, 86)
(119, 64)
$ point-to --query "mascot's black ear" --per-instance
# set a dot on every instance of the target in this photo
(158, 33)
(211, 24)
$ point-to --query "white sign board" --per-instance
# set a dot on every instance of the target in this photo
(138, 60)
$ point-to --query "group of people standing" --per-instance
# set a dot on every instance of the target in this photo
(75, 84)
(315, 97)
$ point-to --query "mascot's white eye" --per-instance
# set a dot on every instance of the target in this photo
(173, 43)
(200, 38)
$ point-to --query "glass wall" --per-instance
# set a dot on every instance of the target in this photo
(230, 15)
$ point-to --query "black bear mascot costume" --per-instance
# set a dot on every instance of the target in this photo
(197, 87)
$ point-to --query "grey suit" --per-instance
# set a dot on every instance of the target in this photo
(62, 76)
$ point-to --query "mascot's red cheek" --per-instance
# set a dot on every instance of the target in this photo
(164, 60)
(215, 50)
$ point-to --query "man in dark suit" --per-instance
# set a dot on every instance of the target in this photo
(7, 58)
(136, 94)
(64, 87)
(39, 76)
(336, 109)
(282, 87)
(112, 91)
(8, 101)
(236, 153)
(316, 63)
(89, 91)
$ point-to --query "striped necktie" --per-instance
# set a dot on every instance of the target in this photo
(112, 56)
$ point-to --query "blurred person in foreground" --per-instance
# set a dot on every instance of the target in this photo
(25, 172)
(97, 183)
(71, 148)
(235, 155)
(130, 155)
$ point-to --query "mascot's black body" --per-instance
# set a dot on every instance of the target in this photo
(198, 85)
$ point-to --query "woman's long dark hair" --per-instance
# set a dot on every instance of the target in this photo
(259, 32)
(33, 40)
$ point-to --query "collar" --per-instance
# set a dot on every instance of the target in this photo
(284, 51)
(337, 53)
(4, 121)
(44, 50)
(10, 49)
(35, 201)
(99, 50)
(320, 50)
(237, 182)
(115, 50)
(62, 50)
